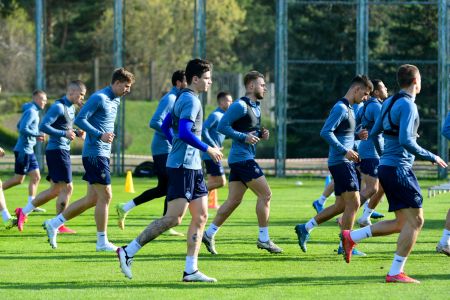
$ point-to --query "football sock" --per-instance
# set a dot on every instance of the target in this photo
(30, 198)
(397, 265)
(129, 206)
(28, 208)
(132, 248)
(360, 234)
(191, 264)
(5, 215)
(57, 221)
(311, 224)
(322, 200)
(102, 238)
(445, 240)
(212, 230)
(367, 211)
(263, 234)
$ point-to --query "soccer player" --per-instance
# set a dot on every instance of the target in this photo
(26, 163)
(210, 135)
(443, 245)
(8, 220)
(160, 150)
(242, 123)
(399, 121)
(370, 159)
(58, 124)
(187, 187)
(96, 118)
(339, 132)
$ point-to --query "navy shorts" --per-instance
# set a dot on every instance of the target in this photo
(245, 171)
(59, 166)
(401, 187)
(185, 183)
(214, 169)
(25, 163)
(369, 166)
(345, 178)
(97, 170)
(159, 164)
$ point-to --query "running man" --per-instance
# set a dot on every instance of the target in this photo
(339, 132)
(58, 124)
(26, 163)
(210, 135)
(242, 123)
(160, 150)
(399, 122)
(187, 187)
(96, 118)
(8, 220)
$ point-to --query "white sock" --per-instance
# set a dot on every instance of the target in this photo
(57, 221)
(5, 215)
(212, 230)
(132, 248)
(129, 206)
(367, 211)
(397, 265)
(360, 234)
(191, 264)
(102, 238)
(322, 200)
(445, 240)
(263, 234)
(30, 198)
(28, 208)
(311, 224)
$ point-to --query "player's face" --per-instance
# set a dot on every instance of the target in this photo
(77, 96)
(361, 94)
(259, 88)
(382, 91)
(183, 84)
(225, 102)
(41, 100)
(418, 83)
(121, 88)
(203, 83)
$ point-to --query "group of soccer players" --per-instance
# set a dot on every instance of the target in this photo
(386, 128)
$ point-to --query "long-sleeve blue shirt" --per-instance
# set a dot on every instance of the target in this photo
(160, 144)
(97, 116)
(446, 127)
(367, 117)
(357, 107)
(210, 135)
(58, 119)
(400, 151)
(28, 128)
(240, 150)
(339, 132)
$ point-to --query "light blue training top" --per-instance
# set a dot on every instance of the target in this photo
(160, 144)
(240, 150)
(400, 151)
(366, 117)
(97, 116)
(58, 119)
(210, 135)
(28, 127)
(187, 106)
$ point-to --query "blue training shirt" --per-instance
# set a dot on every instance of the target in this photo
(97, 116)
(400, 151)
(339, 132)
(446, 127)
(58, 119)
(240, 150)
(357, 107)
(367, 117)
(160, 144)
(28, 128)
(187, 106)
(210, 135)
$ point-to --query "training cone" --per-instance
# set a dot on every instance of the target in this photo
(129, 187)
(212, 199)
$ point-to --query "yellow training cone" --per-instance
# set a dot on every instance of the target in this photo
(212, 199)
(129, 187)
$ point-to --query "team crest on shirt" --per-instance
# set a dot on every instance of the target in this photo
(352, 184)
(188, 195)
(103, 175)
(375, 172)
(257, 170)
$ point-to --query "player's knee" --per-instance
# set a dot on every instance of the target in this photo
(68, 189)
(419, 222)
(173, 221)
(200, 219)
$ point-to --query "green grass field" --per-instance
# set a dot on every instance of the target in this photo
(30, 269)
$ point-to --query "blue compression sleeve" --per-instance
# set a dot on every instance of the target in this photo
(166, 127)
(188, 137)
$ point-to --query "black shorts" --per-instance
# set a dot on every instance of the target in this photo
(345, 178)
(185, 183)
(59, 166)
(214, 169)
(97, 170)
(25, 163)
(369, 166)
(245, 171)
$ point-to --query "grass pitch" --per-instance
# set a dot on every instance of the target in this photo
(30, 269)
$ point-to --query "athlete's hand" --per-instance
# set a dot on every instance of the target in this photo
(264, 133)
(363, 134)
(352, 155)
(440, 162)
(2, 152)
(215, 154)
(108, 137)
(40, 138)
(70, 134)
(251, 138)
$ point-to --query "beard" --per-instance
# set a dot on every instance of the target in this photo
(259, 95)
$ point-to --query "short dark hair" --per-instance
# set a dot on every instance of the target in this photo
(252, 75)
(222, 95)
(38, 92)
(362, 80)
(197, 67)
(376, 85)
(178, 75)
(76, 84)
(122, 75)
(406, 75)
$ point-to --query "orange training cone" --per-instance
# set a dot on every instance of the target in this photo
(212, 199)
(129, 187)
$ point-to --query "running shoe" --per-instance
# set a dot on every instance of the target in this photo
(302, 235)
(210, 244)
(197, 276)
(125, 262)
(269, 246)
(400, 278)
